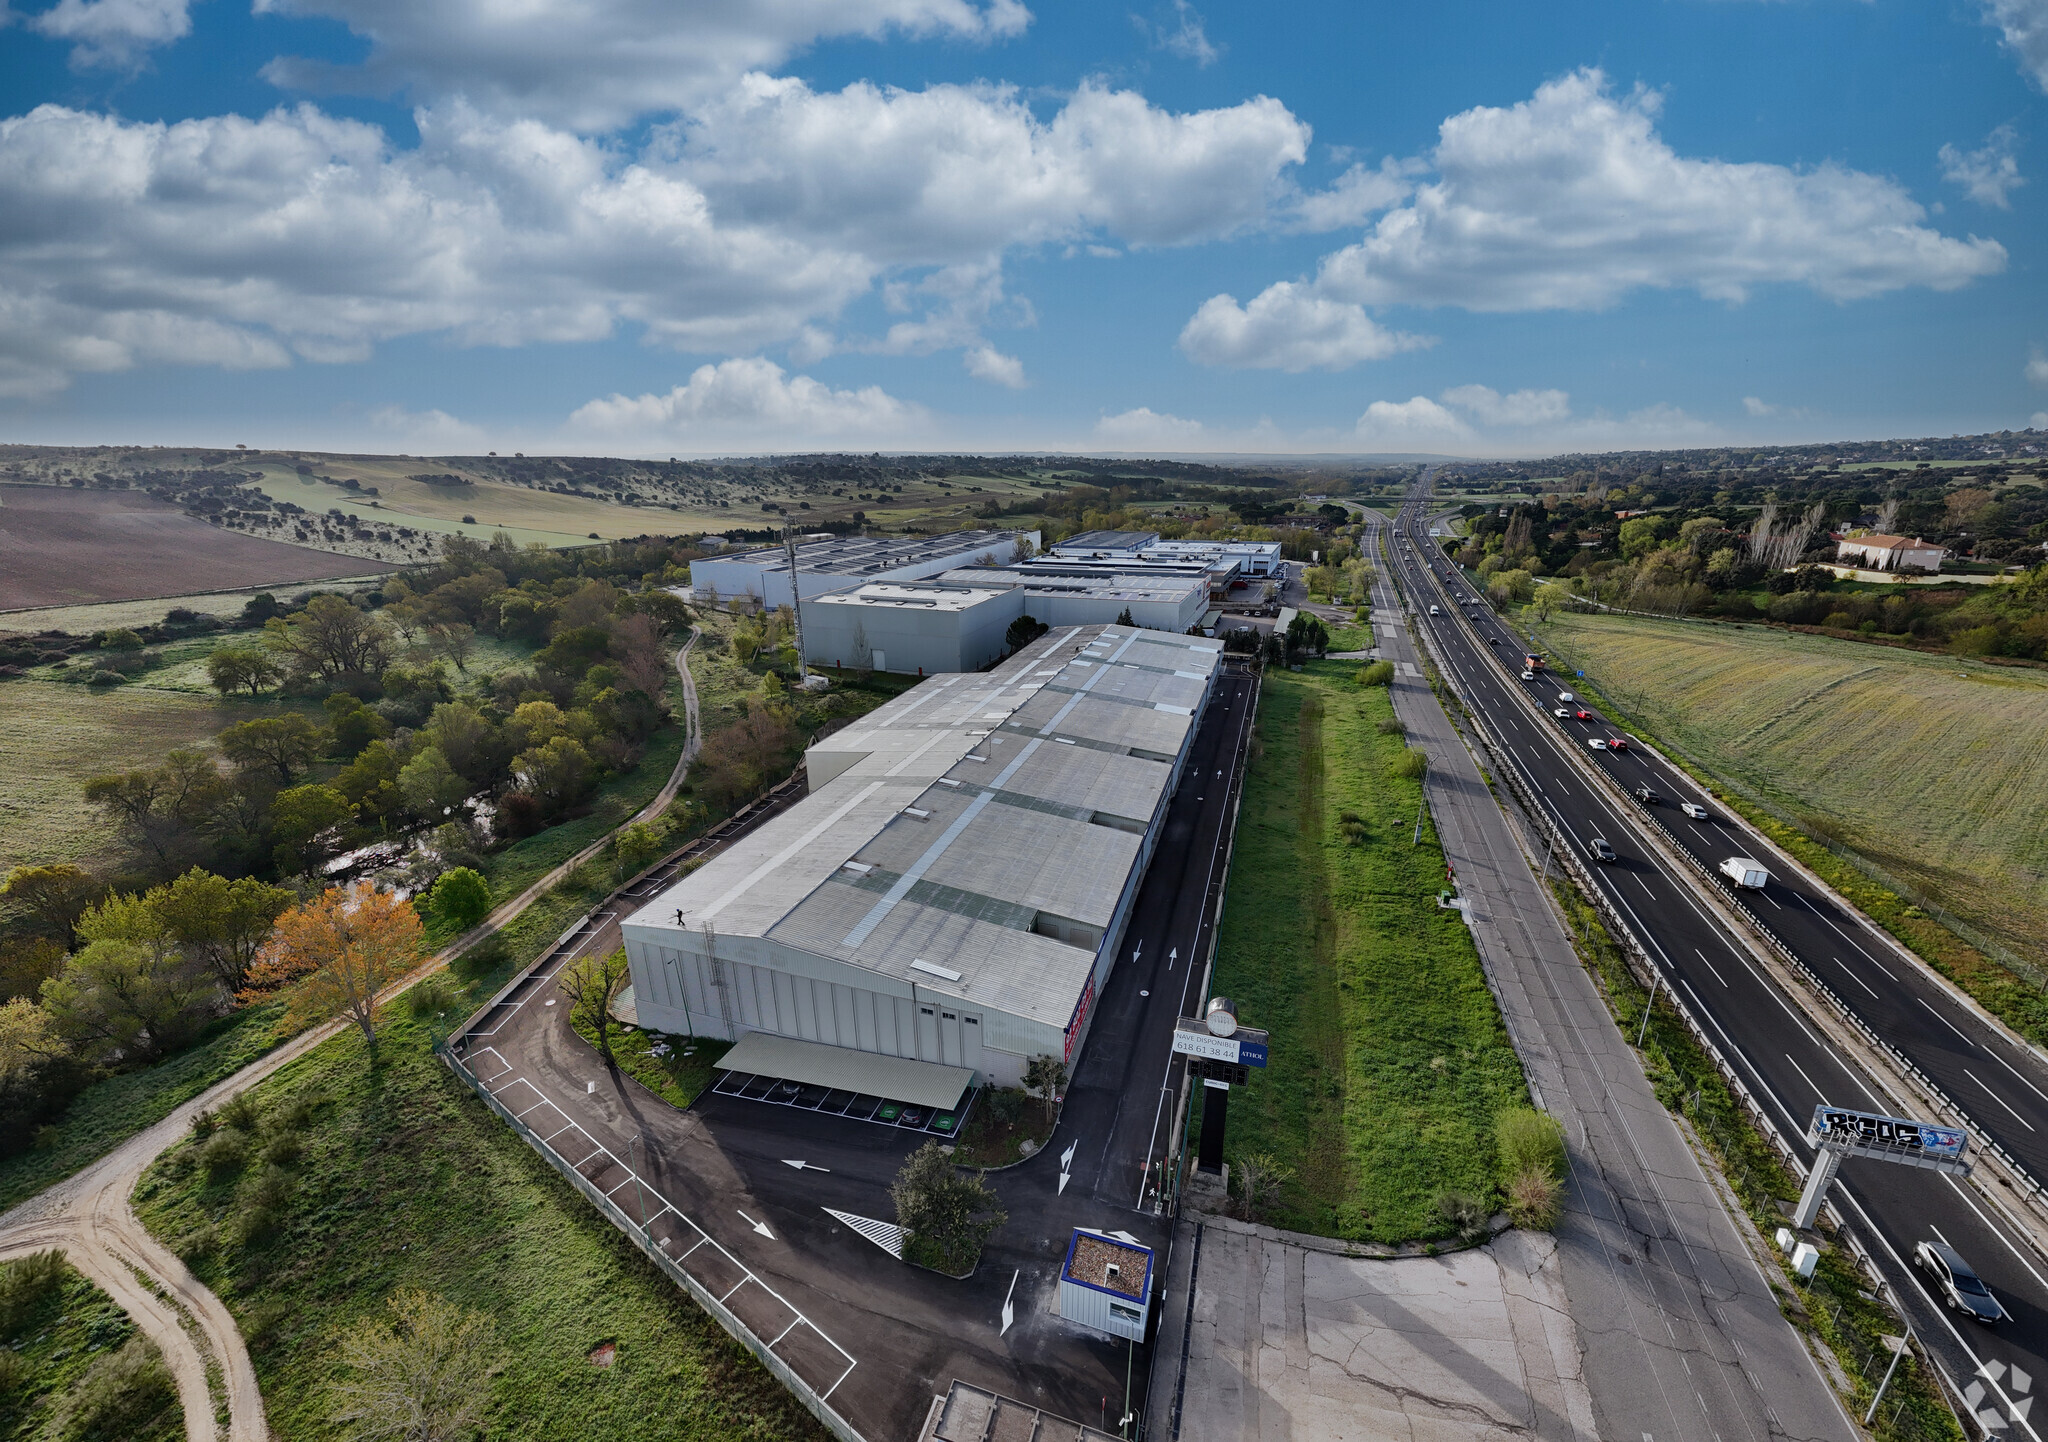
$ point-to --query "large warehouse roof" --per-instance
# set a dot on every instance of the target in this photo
(975, 834)
(855, 556)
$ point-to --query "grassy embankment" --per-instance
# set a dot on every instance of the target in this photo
(397, 1177)
(1837, 1306)
(1928, 768)
(1389, 1059)
(72, 1365)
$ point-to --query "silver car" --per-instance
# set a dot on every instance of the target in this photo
(1957, 1283)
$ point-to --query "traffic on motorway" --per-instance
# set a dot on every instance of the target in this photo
(1552, 739)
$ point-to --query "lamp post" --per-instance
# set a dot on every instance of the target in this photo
(640, 1142)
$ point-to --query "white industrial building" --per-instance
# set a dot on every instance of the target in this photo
(839, 563)
(954, 890)
(1236, 558)
(921, 629)
(1064, 594)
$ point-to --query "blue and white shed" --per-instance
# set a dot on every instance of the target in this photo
(1106, 1283)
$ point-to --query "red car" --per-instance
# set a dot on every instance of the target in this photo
(1617, 743)
(1583, 714)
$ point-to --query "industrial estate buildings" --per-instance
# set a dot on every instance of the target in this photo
(952, 893)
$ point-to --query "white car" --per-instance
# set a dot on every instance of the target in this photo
(1693, 809)
(1528, 675)
(1597, 744)
(1561, 714)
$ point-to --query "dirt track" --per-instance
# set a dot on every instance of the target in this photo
(63, 547)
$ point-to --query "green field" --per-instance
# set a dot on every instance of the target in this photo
(1389, 1059)
(398, 1177)
(104, 616)
(57, 736)
(72, 1365)
(1932, 767)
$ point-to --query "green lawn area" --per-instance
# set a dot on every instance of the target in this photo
(1389, 1059)
(396, 1176)
(72, 1366)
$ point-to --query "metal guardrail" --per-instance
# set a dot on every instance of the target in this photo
(816, 1405)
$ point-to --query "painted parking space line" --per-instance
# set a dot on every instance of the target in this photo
(821, 1358)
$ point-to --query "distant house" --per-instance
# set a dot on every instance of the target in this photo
(1889, 553)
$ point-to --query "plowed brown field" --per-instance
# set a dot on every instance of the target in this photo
(65, 547)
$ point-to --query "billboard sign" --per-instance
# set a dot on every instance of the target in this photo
(1245, 1047)
(1871, 1131)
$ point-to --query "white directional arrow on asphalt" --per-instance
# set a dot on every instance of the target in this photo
(761, 1227)
(1172, 957)
(805, 1166)
(1010, 1312)
(1067, 1166)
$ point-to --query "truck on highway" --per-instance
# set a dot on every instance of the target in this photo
(1531, 661)
(1746, 873)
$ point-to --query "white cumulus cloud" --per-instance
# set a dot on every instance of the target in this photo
(986, 363)
(746, 402)
(594, 65)
(1183, 34)
(1146, 429)
(2023, 24)
(1988, 173)
(1417, 423)
(111, 32)
(1516, 408)
(2037, 368)
(1289, 327)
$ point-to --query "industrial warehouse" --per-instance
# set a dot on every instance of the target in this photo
(948, 900)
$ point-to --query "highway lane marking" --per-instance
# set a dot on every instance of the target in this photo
(2021, 1075)
(1819, 1095)
(1854, 977)
(1644, 884)
(1995, 1230)
(1710, 966)
(1951, 1026)
(1802, 900)
(1997, 1098)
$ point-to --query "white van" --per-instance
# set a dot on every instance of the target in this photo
(1565, 698)
(1434, 611)
(1746, 873)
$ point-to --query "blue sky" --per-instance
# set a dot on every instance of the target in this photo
(650, 227)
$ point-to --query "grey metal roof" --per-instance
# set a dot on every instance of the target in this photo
(991, 820)
(893, 1078)
(865, 555)
(1106, 541)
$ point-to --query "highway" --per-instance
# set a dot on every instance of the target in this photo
(1783, 1056)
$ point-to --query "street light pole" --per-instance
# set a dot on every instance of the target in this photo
(638, 1186)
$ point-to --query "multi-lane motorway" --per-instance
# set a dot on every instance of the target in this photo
(1786, 1058)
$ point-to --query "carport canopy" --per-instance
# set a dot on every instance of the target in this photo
(895, 1078)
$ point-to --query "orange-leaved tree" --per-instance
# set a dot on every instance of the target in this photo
(337, 952)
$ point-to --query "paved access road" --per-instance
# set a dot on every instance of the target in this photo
(1784, 1055)
(875, 1337)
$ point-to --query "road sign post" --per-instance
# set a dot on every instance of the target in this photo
(1220, 1053)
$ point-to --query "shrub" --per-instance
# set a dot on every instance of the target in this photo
(1413, 763)
(461, 898)
(431, 997)
(1463, 1213)
(1534, 1201)
(121, 1394)
(1530, 1140)
(1392, 727)
(25, 1284)
(1376, 673)
(224, 1154)
(241, 1113)
(282, 1150)
(203, 1124)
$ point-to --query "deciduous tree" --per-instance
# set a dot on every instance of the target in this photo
(338, 952)
(284, 745)
(461, 897)
(948, 1216)
(1045, 1076)
(590, 985)
(53, 896)
(243, 668)
(423, 1376)
(131, 992)
(219, 922)
(332, 640)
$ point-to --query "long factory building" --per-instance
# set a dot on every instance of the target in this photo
(949, 898)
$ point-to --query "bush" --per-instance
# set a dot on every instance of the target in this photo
(1534, 1201)
(430, 997)
(461, 898)
(1413, 764)
(1391, 727)
(120, 1396)
(241, 1113)
(203, 1124)
(224, 1154)
(1530, 1140)
(25, 1284)
(1463, 1213)
(1377, 673)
